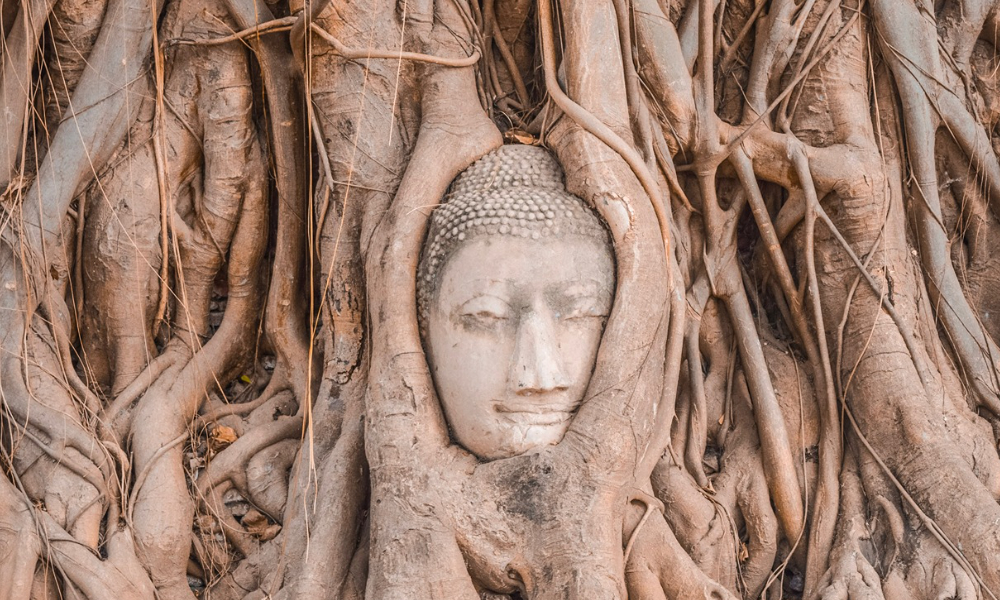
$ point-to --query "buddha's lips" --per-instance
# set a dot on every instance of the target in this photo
(535, 413)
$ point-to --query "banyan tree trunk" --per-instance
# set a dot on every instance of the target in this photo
(215, 383)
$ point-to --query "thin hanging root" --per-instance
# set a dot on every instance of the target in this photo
(658, 567)
(77, 289)
(727, 59)
(162, 185)
(847, 311)
(363, 54)
(141, 478)
(831, 444)
(638, 112)
(271, 26)
(652, 504)
(666, 163)
(508, 57)
(598, 129)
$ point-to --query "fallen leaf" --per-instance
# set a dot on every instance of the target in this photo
(259, 526)
(221, 437)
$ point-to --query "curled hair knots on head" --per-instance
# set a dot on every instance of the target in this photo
(515, 191)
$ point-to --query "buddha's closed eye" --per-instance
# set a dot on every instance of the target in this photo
(583, 307)
(485, 312)
(588, 311)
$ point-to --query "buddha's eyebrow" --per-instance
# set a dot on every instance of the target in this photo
(489, 285)
(461, 304)
(578, 285)
(577, 288)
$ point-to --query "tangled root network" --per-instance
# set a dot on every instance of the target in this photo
(212, 374)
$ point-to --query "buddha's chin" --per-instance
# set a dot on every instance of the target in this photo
(524, 437)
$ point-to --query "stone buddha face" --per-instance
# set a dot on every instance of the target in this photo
(516, 283)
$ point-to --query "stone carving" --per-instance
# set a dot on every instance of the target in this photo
(514, 287)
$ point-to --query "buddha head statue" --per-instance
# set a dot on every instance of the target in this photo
(515, 283)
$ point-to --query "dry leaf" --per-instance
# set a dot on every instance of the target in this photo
(260, 526)
(221, 437)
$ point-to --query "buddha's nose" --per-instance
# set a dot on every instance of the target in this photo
(536, 364)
